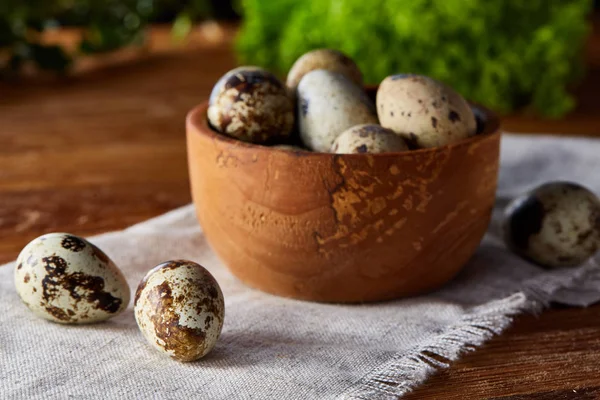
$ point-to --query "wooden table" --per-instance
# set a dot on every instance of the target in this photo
(105, 149)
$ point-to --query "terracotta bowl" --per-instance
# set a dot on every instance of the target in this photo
(342, 228)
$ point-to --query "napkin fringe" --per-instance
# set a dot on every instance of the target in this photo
(406, 371)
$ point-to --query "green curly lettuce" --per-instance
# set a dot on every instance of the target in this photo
(504, 54)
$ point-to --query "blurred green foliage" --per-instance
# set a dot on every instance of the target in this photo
(108, 25)
(505, 54)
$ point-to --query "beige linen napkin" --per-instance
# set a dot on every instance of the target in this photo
(274, 348)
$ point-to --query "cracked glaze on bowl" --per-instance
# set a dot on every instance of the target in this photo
(342, 227)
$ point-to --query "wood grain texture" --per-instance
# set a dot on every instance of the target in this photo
(131, 113)
(305, 225)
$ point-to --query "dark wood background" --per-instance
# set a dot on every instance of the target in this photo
(105, 149)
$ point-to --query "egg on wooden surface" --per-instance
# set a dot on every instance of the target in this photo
(66, 279)
(555, 225)
(425, 112)
(328, 104)
(327, 59)
(368, 138)
(252, 105)
(179, 308)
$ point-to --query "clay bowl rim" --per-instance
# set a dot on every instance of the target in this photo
(197, 118)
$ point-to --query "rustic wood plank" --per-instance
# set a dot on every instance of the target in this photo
(84, 209)
(101, 150)
(555, 353)
(105, 149)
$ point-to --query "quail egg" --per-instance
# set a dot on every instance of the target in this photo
(328, 59)
(554, 225)
(328, 104)
(179, 309)
(425, 112)
(66, 279)
(368, 139)
(252, 105)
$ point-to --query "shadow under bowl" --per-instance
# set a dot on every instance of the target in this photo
(343, 228)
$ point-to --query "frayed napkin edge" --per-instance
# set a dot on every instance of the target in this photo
(408, 370)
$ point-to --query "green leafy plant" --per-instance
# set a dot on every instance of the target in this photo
(505, 54)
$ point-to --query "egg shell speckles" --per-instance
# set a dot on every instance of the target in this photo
(179, 308)
(368, 139)
(328, 59)
(328, 104)
(66, 279)
(252, 105)
(425, 112)
(555, 225)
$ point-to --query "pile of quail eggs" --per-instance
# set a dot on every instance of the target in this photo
(323, 107)
(179, 306)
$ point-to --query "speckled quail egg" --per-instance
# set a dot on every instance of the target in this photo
(328, 104)
(368, 138)
(425, 112)
(328, 59)
(179, 309)
(554, 225)
(66, 279)
(251, 104)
